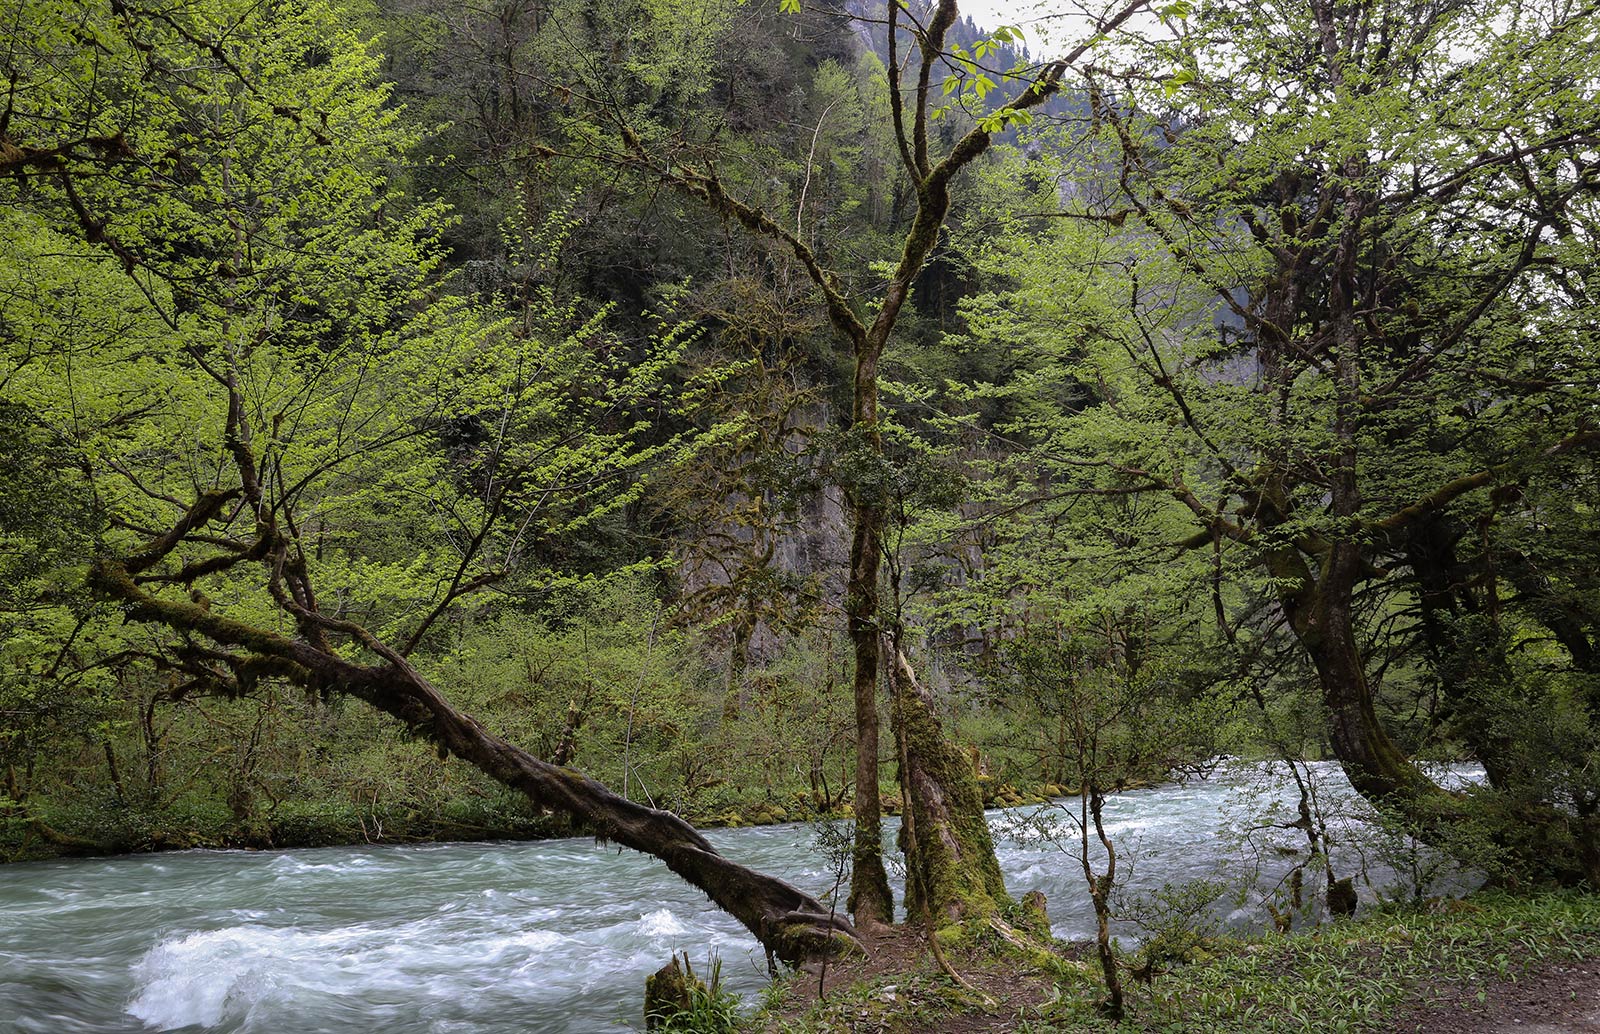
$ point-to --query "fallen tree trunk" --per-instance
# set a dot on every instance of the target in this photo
(789, 923)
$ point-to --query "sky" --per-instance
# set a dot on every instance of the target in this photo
(1049, 26)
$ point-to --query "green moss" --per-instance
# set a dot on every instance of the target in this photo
(959, 874)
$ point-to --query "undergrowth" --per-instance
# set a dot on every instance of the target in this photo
(1345, 977)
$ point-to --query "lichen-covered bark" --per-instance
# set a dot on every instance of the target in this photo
(871, 900)
(955, 875)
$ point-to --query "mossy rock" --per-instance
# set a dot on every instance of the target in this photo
(669, 993)
(1033, 914)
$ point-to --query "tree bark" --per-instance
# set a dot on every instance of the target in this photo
(871, 900)
(957, 876)
(1322, 620)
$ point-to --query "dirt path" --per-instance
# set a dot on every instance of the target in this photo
(1550, 998)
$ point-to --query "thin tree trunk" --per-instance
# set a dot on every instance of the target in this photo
(1091, 803)
(871, 900)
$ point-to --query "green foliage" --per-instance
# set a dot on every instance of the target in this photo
(1204, 410)
(1177, 923)
(223, 261)
(1395, 967)
(460, 411)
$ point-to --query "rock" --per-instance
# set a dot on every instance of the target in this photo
(1342, 899)
(1034, 915)
(667, 993)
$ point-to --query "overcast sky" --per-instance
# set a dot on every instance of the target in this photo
(1049, 25)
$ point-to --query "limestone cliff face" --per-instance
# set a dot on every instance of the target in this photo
(760, 582)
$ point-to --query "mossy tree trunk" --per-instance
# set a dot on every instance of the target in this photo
(871, 900)
(1541, 839)
(953, 873)
(1320, 614)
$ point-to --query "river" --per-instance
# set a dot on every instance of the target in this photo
(552, 936)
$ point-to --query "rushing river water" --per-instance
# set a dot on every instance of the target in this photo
(555, 936)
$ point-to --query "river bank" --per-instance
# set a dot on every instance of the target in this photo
(80, 831)
(1482, 965)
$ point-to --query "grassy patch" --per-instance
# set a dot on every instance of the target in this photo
(1349, 976)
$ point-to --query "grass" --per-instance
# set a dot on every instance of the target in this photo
(1351, 976)
(709, 1008)
(1347, 977)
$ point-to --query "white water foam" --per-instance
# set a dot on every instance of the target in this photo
(202, 978)
(661, 923)
(214, 977)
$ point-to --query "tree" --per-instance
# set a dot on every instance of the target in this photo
(962, 879)
(1345, 252)
(307, 386)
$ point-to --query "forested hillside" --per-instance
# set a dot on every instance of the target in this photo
(424, 421)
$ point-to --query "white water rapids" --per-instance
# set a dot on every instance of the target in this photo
(554, 936)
